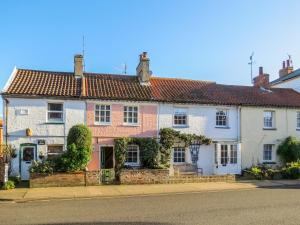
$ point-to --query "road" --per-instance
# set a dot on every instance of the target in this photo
(256, 206)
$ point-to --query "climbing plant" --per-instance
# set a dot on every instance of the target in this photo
(153, 153)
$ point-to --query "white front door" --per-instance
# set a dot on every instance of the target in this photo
(28, 154)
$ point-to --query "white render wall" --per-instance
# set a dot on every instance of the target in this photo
(36, 120)
(292, 83)
(201, 121)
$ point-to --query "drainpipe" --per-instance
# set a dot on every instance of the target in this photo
(6, 119)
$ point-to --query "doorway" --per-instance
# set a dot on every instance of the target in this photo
(107, 157)
(28, 155)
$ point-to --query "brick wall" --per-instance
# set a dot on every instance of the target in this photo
(65, 179)
(144, 176)
(159, 176)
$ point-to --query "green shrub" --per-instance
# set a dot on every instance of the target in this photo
(79, 150)
(15, 179)
(289, 150)
(43, 167)
(8, 185)
(292, 170)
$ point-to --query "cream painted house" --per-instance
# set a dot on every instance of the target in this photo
(263, 129)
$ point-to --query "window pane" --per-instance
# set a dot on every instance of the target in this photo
(55, 107)
(132, 154)
(179, 155)
(54, 115)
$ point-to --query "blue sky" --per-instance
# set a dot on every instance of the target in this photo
(205, 40)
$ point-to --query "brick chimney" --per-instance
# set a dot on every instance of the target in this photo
(142, 70)
(78, 66)
(287, 68)
(262, 80)
(78, 72)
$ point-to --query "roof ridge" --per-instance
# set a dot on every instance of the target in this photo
(186, 79)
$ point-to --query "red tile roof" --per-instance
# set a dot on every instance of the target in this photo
(124, 87)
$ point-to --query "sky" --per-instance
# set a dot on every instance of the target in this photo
(203, 40)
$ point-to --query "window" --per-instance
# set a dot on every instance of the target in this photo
(222, 118)
(132, 155)
(55, 112)
(298, 120)
(54, 150)
(180, 117)
(268, 119)
(224, 154)
(267, 152)
(179, 155)
(233, 154)
(102, 114)
(130, 114)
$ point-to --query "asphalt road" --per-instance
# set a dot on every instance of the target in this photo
(256, 206)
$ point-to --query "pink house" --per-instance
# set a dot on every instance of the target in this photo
(119, 106)
(110, 120)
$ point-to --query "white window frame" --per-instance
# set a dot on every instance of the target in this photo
(54, 154)
(105, 114)
(272, 119)
(298, 120)
(138, 156)
(226, 111)
(54, 111)
(272, 152)
(182, 149)
(131, 123)
(233, 154)
(180, 112)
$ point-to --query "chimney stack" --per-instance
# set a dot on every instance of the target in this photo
(78, 66)
(262, 80)
(142, 71)
(287, 68)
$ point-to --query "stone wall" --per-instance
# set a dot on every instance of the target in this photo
(65, 179)
(144, 176)
(160, 176)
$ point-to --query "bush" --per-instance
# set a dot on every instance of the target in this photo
(15, 179)
(260, 172)
(43, 167)
(289, 150)
(292, 170)
(8, 185)
(79, 150)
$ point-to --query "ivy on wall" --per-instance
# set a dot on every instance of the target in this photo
(154, 154)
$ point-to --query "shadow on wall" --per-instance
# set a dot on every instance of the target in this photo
(102, 223)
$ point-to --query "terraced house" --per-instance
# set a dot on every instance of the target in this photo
(246, 123)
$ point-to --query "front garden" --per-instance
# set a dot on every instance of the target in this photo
(289, 154)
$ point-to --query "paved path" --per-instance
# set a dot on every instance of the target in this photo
(265, 206)
(30, 194)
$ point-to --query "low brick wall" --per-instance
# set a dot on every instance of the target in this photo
(161, 176)
(2, 170)
(64, 179)
(144, 176)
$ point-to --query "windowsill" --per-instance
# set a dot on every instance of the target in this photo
(131, 125)
(179, 163)
(269, 128)
(102, 124)
(220, 127)
(269, 162)
(180, 126)
(55, 123)
(132, 164)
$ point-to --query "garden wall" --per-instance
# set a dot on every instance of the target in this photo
(83, 178)
(161, 176)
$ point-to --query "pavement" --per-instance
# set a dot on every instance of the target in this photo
(32, 194)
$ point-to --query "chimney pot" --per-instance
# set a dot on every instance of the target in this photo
(283, 64)
(288, 63)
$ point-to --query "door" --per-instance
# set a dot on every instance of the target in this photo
(28, 154)
(107, 157)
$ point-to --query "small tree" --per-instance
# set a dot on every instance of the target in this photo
(79, 149)
(289, 150)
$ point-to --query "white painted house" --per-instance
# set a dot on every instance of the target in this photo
(37, 124)
(218, 122)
